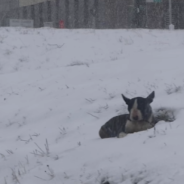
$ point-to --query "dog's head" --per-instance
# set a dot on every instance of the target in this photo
(139, 108)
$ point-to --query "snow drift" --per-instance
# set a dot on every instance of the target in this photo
(57, 87)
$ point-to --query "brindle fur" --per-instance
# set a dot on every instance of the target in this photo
(121, 125)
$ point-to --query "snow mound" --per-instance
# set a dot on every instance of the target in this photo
(59, 86)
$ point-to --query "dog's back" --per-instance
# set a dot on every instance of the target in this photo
(114, 126)
(121, 125)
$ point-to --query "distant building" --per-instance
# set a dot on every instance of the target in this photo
(5, 8)
(94, 13)
(155, 13)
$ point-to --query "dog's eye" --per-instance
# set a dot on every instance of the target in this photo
(147, 111)
(141, 104)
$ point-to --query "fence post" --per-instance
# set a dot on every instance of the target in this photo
(171, 26)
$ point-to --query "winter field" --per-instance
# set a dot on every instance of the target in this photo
(58, 87)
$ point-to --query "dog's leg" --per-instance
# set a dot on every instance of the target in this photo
(103, 133)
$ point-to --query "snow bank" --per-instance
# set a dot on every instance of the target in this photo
(59, 86)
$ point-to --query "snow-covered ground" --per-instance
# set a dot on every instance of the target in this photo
(57, 87)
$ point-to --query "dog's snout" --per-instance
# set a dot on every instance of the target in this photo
(135, 115)
(135, 118)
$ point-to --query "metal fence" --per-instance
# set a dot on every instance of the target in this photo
(103, 14)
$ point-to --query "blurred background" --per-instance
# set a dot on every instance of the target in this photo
(102, 14)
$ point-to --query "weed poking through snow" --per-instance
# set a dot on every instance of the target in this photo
(49, 172)
(15, 177)
(40, 151)
(78, 63)
(172, 88)
(44, 152)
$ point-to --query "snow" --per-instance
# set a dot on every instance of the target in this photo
(60, 86)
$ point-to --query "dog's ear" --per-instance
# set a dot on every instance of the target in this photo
(127, 100)
(151, 97)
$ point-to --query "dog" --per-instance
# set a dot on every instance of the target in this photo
(140, 118)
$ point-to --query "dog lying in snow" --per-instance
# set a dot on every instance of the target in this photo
(140, 118)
